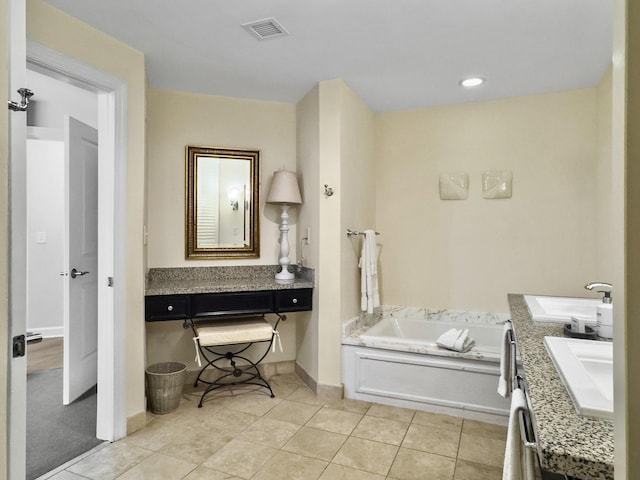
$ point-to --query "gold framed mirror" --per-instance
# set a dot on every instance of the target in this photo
(222, 203)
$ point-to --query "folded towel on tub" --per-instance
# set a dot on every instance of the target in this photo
(456, 340)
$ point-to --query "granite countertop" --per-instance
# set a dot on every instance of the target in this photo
(568, 443)
(189, 280)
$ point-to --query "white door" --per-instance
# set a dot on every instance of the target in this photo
(81, 253)
(17, 385)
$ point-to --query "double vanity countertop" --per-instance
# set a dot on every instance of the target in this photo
(193, 280)
(568, 443)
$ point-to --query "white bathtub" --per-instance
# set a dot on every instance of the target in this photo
(413, 332)
(397, 362)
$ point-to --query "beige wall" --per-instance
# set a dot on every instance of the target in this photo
(468, 254)
(56, 30)
(605, 211)
(335, 146)
(308, 165)
(328, 278)
(4, 236)
(177, 119)
(357, 186)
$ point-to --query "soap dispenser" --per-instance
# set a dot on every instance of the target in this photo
(604, 310)
(604, 314)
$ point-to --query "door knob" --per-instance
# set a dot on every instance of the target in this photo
(77, 273)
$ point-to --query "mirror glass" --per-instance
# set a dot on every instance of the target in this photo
(222, 190)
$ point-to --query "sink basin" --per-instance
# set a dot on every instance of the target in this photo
(561, 309)
(586, 369)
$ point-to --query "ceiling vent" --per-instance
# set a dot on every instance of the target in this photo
(266, 28)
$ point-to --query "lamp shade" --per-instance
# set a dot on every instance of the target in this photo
(284, 189)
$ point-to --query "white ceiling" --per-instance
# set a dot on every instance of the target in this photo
(396, 54)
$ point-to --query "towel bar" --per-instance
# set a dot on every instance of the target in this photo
(526, 425)
(350, 232)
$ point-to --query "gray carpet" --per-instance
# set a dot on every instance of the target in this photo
(56, 433)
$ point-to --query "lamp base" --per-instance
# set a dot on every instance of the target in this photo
(285, 276)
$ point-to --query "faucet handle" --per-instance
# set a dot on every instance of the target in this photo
(601, 287)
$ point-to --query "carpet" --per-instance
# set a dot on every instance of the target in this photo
(56, 433)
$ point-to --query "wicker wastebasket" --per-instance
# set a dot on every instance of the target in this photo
(164, 386)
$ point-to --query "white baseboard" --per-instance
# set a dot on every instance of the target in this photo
(47, 332)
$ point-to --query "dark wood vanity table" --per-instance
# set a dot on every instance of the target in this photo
(183, 293)
(199, 305)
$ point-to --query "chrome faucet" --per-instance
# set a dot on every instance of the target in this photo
(602, 287)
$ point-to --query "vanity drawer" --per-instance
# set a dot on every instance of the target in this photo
(236, 303)
(294, 300)
(166, 307)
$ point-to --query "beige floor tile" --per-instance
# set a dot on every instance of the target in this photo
(414, 465)
(337, 421)
(286, 378)
(481, 449)
(314, 443)
(289, 466)
(349, 405)
(239, 458)
(475, 427)
(381, 430)
(391, 413)
(292, 412)
(283, 390)
(256, 402)
(305, 395)
(432, 440)
(226, 421)
(154, 436)
(438, 420)
(111, 461)
(195, 444)
(268, 432)
(361, 454)
(159, 467)
(475, 471)
(340, 472)
(204, 473)
(66, 475)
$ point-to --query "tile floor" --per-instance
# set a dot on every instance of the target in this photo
(245, 434)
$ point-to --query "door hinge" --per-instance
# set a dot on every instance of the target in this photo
(19, 346)
(109, 281)
(26, 94)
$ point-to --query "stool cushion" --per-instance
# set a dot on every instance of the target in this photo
(233, 330)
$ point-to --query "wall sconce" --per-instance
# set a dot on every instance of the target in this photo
(284, 191)
(234, 195)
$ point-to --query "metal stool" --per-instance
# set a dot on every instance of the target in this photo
(226, 339)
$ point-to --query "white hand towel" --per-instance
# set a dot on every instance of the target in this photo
(518, 460)
(505, 362)
(370, 298)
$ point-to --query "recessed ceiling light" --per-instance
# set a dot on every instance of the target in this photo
(472, 82)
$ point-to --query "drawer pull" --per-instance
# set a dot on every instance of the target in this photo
(295, 300)
(170, 308)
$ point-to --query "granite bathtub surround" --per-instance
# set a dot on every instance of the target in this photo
(242, 278)
(568, 443)
(356, 326)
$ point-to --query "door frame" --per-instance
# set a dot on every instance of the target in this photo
(112, 300)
